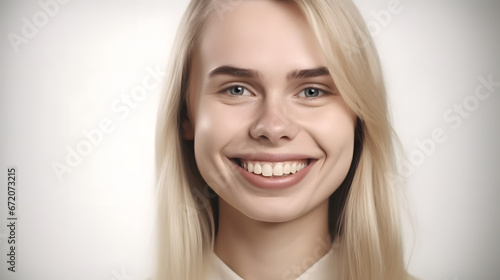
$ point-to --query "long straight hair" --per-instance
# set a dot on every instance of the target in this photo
(363, 212)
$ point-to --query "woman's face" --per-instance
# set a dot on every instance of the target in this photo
(272, 137)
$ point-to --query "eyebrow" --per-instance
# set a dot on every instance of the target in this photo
(308, 73)
(234, 71)
(250, 73)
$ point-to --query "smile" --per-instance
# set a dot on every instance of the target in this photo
(273, 169)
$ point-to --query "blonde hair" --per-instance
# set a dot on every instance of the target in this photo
(364, 218)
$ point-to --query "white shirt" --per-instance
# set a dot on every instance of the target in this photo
(323, 269)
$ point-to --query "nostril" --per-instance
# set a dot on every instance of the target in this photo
(263, 137)
(272, 128)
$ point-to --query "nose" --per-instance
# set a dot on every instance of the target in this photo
(274, 123)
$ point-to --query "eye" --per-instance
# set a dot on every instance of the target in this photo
(237, 90)
(311, 92)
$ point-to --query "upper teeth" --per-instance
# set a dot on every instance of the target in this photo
(269, 169)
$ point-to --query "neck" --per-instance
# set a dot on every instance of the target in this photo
(279, 250)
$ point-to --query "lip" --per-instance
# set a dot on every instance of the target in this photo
(271, 157)
(278, 182)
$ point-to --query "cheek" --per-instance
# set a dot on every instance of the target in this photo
(215, 126)
(339, 134)
(208, 134)
(332, 128)
(333, 132)
(214, 129)
(339, 137)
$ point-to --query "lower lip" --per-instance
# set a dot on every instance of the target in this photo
(277, 182)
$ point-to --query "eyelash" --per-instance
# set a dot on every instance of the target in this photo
(322, 91)
(227, 90)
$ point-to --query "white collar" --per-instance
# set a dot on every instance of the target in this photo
(323, 269)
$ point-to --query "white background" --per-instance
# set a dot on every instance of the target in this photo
(97, 221)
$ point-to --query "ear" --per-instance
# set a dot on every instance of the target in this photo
(187, 129)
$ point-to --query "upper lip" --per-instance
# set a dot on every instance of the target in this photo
(267, 157)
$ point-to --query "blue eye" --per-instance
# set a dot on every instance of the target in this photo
(237, 90)
(312, 92)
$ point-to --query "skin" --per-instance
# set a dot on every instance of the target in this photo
(275, 230)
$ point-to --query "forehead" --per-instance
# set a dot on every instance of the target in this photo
(260, 33)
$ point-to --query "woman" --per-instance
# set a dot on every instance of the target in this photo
(274, 148)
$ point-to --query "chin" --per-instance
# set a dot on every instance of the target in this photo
(273, 210)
